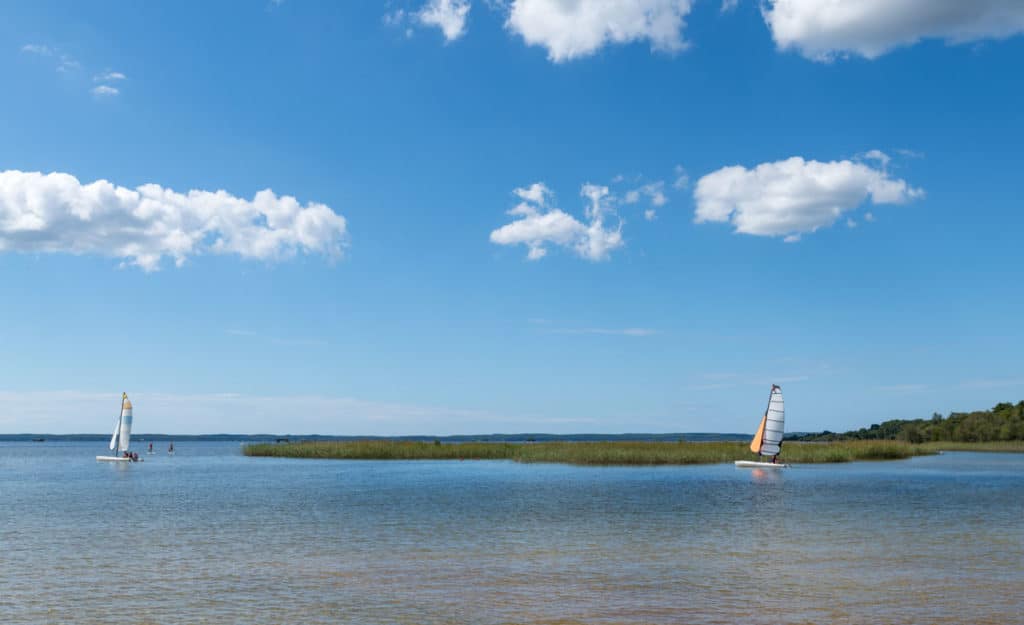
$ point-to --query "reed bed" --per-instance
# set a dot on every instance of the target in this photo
(1000, 446)
(587, 453)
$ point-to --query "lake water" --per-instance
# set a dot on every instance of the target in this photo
(210, 536)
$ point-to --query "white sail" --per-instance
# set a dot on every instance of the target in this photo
(126, 423)
(775, 421)
(113, 439)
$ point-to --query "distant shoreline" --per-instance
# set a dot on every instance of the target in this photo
(610, 452)
(453, 438)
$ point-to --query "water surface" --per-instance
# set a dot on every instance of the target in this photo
(209, 535)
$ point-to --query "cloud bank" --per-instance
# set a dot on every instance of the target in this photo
(56, 213)
(794, 196)
(571, 30)
(822, 31)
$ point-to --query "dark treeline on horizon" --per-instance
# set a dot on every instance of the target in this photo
(1004, 422)
(456, 438)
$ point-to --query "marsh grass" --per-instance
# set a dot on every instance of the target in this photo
(1001, 446)
(589, 453)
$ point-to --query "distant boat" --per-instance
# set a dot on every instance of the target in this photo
(38, 440)
(767, 441)
(122, 434)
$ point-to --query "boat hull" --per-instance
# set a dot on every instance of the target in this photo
(113, 459)
(750, 464)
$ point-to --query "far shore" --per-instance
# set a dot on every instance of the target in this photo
(613, 452)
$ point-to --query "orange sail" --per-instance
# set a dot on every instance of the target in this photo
(755, 445)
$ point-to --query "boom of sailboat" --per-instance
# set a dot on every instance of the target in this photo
(767, 440)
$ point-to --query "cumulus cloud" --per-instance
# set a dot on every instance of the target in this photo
(448, 15)
(794, 196)
(578, 28)
(56, 213)
(538, 224)
(650, 214)
(821, 31)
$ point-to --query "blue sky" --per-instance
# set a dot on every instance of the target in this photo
(508, 216)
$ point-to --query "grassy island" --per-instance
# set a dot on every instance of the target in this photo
(589, 453)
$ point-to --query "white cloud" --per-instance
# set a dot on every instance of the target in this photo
(108, 77)
(35, 48)
(869, 216)
(105, 90)
(56, 213)
(448, 15)
(650, 214)
(655, 191)
(729, 5)
(578, 28)
(822, 31)
(794, 196)
(539, 224)
(65, 62)
(682, 178)
(851, 223)
(877, 155)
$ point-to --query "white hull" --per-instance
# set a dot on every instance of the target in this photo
(750, 464)
(113, 459)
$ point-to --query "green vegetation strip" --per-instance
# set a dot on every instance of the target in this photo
(590, 453)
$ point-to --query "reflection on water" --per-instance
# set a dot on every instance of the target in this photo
(209, 535)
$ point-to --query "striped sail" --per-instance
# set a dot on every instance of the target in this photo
(773, 424)
(126, 423)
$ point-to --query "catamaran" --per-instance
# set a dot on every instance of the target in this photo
(768, 439)
(122, 434)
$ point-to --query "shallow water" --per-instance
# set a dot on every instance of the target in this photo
(209, 535)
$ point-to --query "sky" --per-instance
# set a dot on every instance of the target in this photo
(476, 216)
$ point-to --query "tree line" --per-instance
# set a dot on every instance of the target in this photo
(1004, 422)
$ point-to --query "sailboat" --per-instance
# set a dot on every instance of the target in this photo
(122, 433)
(767, 441)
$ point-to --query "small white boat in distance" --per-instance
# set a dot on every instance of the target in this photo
(768, 439)
(122, 433)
